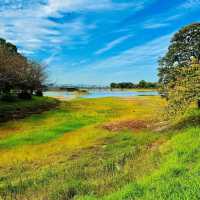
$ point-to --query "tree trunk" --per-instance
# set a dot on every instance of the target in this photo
(198, 103)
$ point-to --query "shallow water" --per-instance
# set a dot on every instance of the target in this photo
(57, 94)
(100, 94)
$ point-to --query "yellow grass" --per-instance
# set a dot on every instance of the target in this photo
(36, 149)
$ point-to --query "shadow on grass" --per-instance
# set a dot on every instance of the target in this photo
(190, 119)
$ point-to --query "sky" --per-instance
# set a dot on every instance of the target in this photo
(95, 41)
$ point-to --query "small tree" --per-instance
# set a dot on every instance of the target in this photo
(31, 80)
(38, 77)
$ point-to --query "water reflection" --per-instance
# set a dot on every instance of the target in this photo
(99, 94)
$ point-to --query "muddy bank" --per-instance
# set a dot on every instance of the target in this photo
(20, 111)
(130, 124)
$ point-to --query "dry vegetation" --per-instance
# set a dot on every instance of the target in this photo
(67, 152)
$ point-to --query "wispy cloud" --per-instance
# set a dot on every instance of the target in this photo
(67, 34)
(133, 64)
(170, 16)
(28, 24)
(146, 54)
(191, 4)
(52, 7)
(165, 19)
(32, 32)
(112, 44)
(50, 59)
(155, 25)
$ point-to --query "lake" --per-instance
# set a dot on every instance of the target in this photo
(99, 94)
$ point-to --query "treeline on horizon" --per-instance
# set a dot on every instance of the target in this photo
(129, 85)
(20, 77)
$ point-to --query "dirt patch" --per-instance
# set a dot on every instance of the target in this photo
(130, 124)
(155, 145)
(23, 112)
(95, 150)
(161, 126)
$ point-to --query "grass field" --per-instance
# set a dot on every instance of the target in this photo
(107, 149)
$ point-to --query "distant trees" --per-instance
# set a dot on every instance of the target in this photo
(18, 75)
(179, 69)
(122, 85)
(128, 85)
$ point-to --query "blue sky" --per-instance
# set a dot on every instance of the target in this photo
(95, 41)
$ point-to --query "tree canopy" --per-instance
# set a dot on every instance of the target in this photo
(18, 75)
(179, 69)
(186, 88)
(184, 45)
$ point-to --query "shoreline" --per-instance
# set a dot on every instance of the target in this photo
(99, 93)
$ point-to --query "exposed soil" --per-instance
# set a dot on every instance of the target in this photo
(155, 145)
(21, 113)
(130, 124)
(161, 126)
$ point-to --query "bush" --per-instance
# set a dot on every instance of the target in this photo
(8, 97)
(25, 95)
(39, 93)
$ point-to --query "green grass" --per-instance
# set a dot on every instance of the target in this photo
(178, 173)
(66, 153)
(177, 176)
(69, 117)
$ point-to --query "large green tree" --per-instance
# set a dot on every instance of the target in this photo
(186, 88)
(184, 45)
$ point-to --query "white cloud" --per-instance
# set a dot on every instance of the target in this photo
(167, 18)
(28, 24)
(112, 44)
(144, 55)
(50, 59)
(191, 4)
(26, 52)
(155, 25)
(174, 17)
(134, 64)
(53, 6)
(163, 20)
(34, 33)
